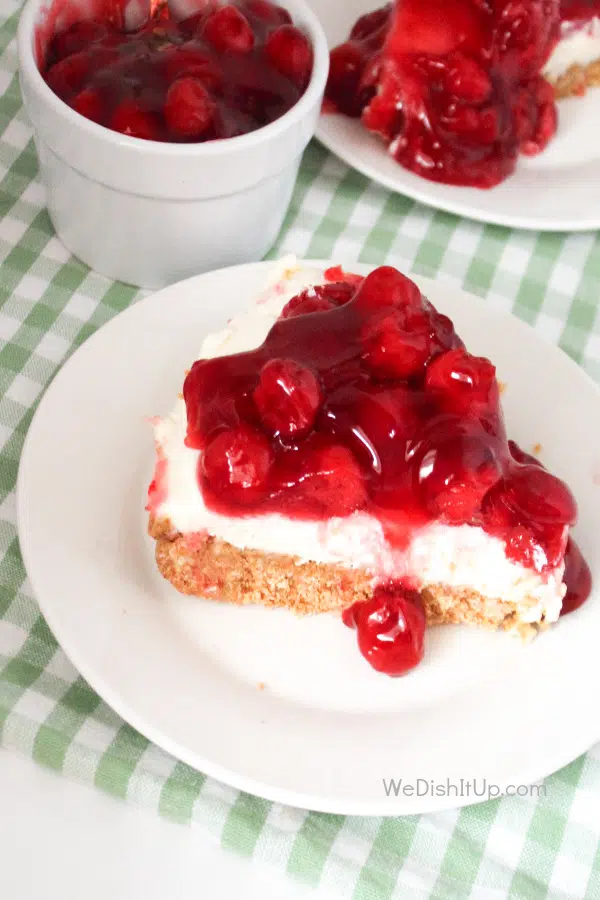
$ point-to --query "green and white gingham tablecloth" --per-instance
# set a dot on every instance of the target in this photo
(49, 304)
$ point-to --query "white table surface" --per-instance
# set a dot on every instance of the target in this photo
(65, 841)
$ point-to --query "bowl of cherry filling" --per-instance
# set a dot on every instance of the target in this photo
(169, 136)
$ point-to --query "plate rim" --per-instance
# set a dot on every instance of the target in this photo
(422, 195)
(301, 800)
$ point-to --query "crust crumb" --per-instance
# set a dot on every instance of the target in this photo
(537, 449)
(575, 81)
(203, 566)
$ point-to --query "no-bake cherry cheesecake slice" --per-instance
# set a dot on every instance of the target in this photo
(458, 89)
(337, 449)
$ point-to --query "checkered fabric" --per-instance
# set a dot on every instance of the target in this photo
(530, 848)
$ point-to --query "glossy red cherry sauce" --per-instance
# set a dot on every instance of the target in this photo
(223, 72)
(579, 11)
(452, 86)
(362, 397)
(577, 578)
(390, 628)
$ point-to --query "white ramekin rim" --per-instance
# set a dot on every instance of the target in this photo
(303, 16)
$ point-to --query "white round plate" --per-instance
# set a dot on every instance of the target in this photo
(559, 190)
(278, 706)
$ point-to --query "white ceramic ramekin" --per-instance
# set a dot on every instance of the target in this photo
(151, 213)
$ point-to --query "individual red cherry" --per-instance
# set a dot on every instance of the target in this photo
(523, 547)
(90, 103)
(391, 629)
(346, 66)
(236, 463)
(517, 21)
(454, 476)
(80, 36)
(192, 60)
(290, 52)
(320, 298)
(577, 578)
(129, 118)
(531, 528)
(189, 109)
(288, 397)
(534, 546)
(438, 28)
(267, 12)
(386, 287)
(397, 345)
(390, 352)
(462, 382)
(540, 497)
(325, 482)
(68, 76)
(370, 23)
(228, 29)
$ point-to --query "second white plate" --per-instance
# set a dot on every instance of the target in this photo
(278, 706)
(559, 190)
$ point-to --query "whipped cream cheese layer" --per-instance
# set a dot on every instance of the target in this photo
(579, 45)
(458, 556)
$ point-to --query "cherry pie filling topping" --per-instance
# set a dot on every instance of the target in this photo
(454, 87)
(225, 71)
(579, 11)
(363, 398)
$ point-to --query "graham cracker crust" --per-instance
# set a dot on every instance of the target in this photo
(576, 80)
(203, 566)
